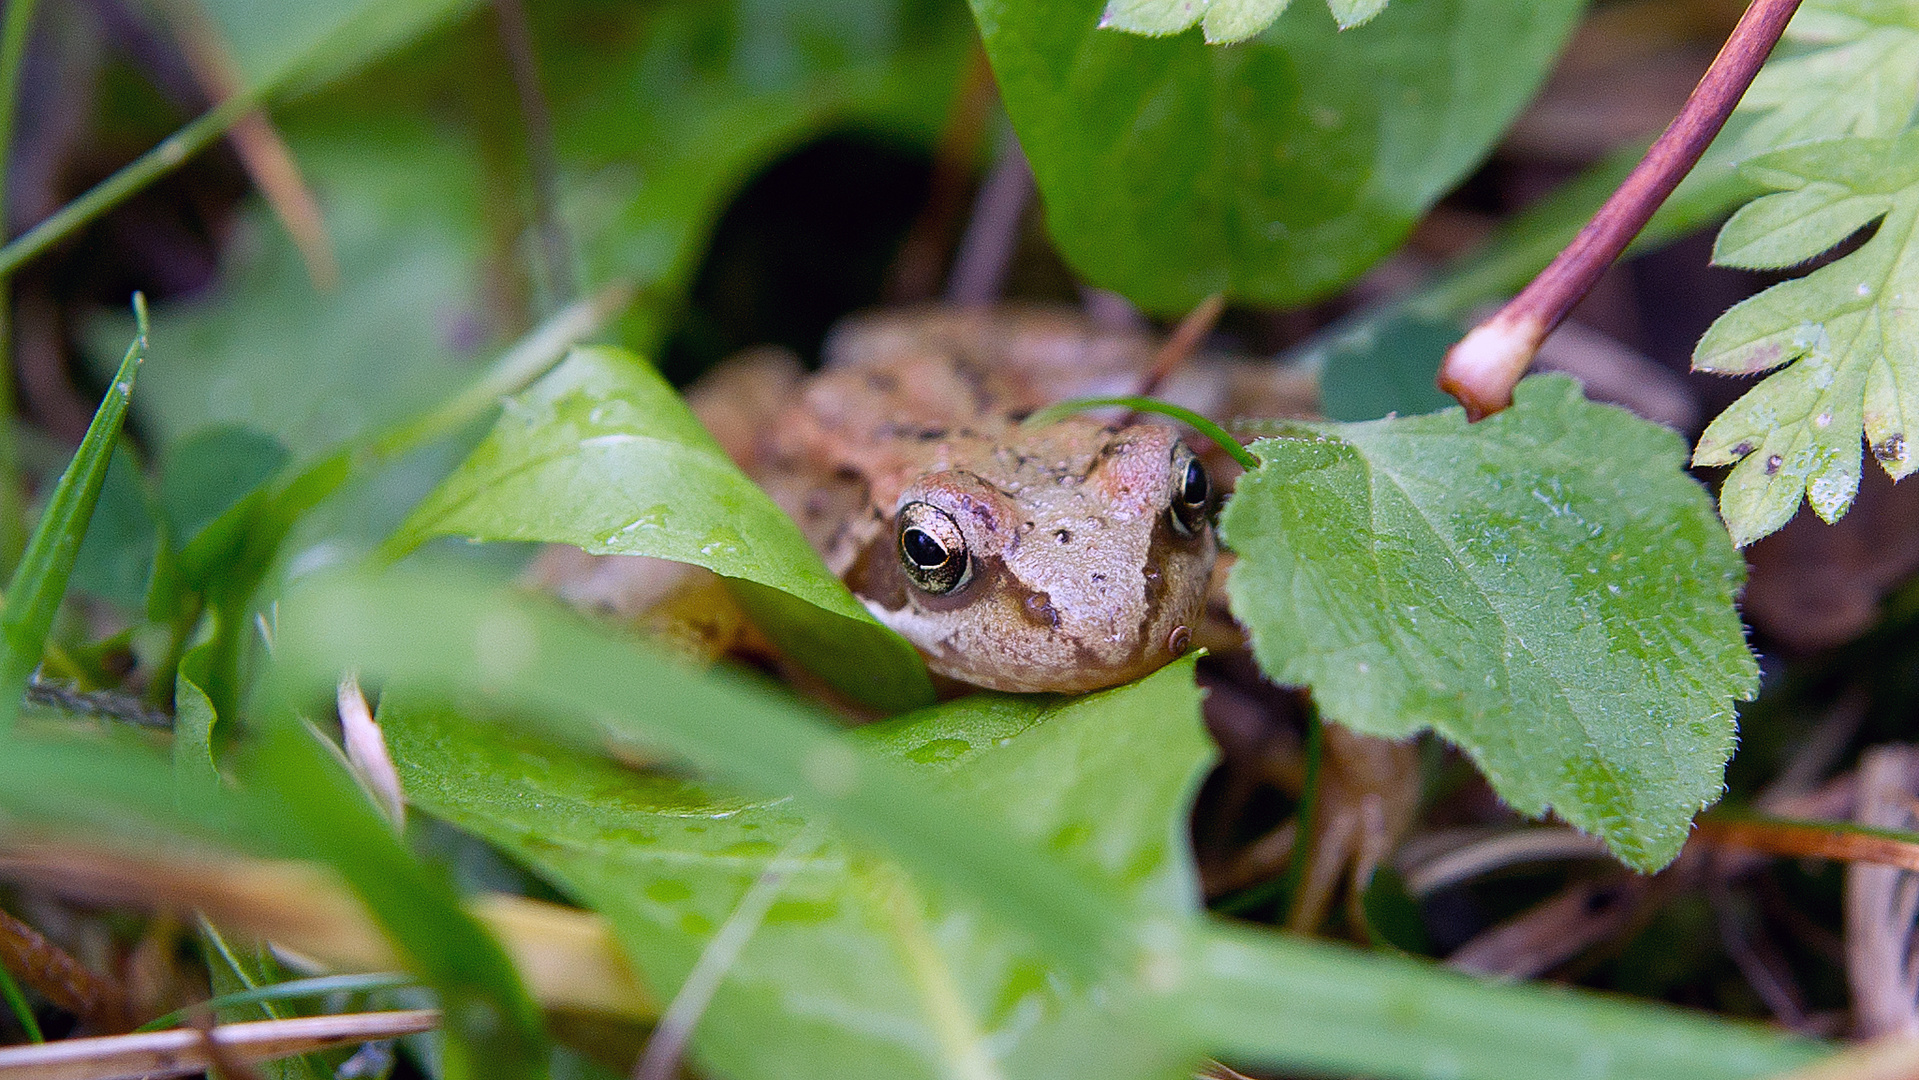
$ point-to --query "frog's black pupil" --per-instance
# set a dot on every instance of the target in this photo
(920, 547)
(1195, 490)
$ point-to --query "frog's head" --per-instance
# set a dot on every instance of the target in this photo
(1066, 558)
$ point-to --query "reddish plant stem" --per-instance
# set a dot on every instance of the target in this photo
(1182, 344)
(1483, 368)
(57, 976)
(516, 37)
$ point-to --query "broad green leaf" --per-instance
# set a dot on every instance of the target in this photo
(1272, 171)
(603, 455)
(1854, 71)
(40, 581)
(859, 969)
(1099, 911)
(1266, 999)
(1847, 330)
(445, 635)
(1547, 589)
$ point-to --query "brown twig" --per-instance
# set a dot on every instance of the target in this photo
(992, 236)
(915, 275)
(1482, 369)
(221, 1060)
(58, 977)
(261, 150)
(184, 1050)
(1808, 840)
(1184, 341)
(516, 37)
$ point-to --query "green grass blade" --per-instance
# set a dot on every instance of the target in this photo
(292, 990)
(17, 1001)
(439, 634)
(1259, 998)
(492, 1027)
(40, 580)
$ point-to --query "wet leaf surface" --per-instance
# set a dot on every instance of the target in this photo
(1547, 589)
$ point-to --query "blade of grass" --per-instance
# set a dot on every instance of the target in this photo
(1226, 442)
(292, 990)
(17, 1001)
(441, 633)
(1256, 997)
(172, 152)
(492, 1027)
(13, 50)
(40, 581)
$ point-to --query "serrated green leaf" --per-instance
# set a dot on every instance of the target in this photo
(1547, 589)
(1223, 21)
(1272, 171)
(1351, 13)
(603, 455)
(1229, 21)
(1848, 330)
(858, 968)
(1857, 73)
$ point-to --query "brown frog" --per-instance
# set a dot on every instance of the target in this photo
(1064, 557)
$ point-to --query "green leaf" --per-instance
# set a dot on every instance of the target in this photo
(603, 455)
(1855, 71)
(858, 969)
(1385, 365)
(1847, 330)
(301, 44)
(1223, 21)
(1308, 1007)
(445, 635)
(196, 765)
(492, 1026)
(1098, 911)
(1547, 589)
(1272, 171)
(211, 484)
(117, 557)
(40, 581)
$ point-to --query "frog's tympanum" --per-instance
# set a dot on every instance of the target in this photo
(1063, 557)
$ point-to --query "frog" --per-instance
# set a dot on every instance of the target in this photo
(1062, 557)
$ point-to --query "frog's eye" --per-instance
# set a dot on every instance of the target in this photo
(932, 550)
(1192, 493)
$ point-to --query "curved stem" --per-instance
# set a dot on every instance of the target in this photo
(1483, 368)
(1232, 446)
